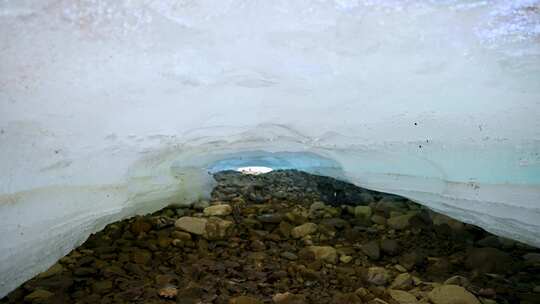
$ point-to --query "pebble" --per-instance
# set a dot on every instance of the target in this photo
(377, 275)
(324, 253)
(218, 210)
(303, 230)
(451, 294)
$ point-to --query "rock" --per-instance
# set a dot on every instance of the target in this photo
(289, 256)
(200, 205)
(303, 230)
(440, 219)
(140, 225)
(399, 222)
(412, 259)
(366, 198)
(101, 287)
(532, 258)
(372, 250)
(53, 270)
(390, 247)
(346, 298)
(377, 219)
(285, 229)
(402, 297)
(218, 210)
(272, 218)
(317, 206)
(141, 256)
(288, 298)
(345, 259)
(324, 253)
(192, 224)
(181, 235)
(363, 212)
(244, 300)
(400, 268)
(38, 296)
(458, 280)
(217, 229)
(403, 281)
(488, 260)
(377, 275)
(212, 228)
(84, 271)
(452, 294)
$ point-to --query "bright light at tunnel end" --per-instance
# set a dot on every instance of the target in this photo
(255, 170)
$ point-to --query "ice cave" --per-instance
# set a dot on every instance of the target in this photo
(110, 109)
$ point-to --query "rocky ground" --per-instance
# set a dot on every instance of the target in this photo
(288, 237)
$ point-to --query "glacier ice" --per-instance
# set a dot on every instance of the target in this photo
(113, 108)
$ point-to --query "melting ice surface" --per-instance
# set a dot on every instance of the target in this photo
(113, 108)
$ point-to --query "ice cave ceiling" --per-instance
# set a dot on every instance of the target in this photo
(112, 108)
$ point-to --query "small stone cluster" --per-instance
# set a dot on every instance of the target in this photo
(283, 238)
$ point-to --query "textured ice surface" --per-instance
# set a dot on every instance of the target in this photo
(112, 108)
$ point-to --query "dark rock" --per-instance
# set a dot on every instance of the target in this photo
(488, 260)
(390, 247)
(372, 250)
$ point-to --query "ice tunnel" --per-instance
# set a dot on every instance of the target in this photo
(114, 108)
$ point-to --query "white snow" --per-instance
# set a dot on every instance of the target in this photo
(109, 108)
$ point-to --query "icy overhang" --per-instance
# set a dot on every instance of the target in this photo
(112, 108)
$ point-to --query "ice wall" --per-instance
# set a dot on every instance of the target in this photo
(112, 108)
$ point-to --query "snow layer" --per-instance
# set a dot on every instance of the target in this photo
(113, 108)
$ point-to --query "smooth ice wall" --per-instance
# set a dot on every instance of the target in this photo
(113, 108)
